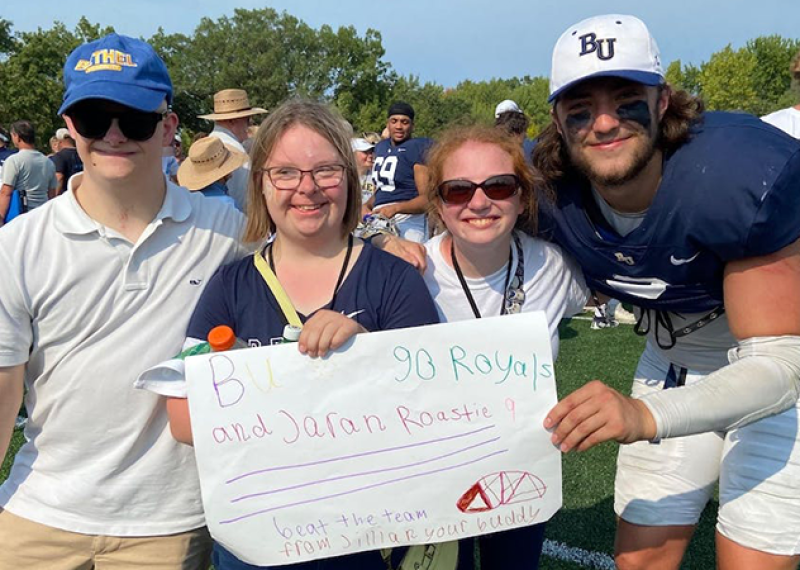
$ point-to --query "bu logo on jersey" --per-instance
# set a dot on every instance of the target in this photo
(624, 258)
(603, 48)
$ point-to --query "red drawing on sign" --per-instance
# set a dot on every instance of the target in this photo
(503, 488)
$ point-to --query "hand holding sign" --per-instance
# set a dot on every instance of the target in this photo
(404, 437)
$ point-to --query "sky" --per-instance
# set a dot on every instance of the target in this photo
(449, 41)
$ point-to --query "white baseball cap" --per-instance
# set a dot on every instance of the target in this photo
(507, 106)
(361, 145)
(62, 134)
(613, 45)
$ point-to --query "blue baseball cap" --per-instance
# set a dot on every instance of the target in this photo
(119, 69)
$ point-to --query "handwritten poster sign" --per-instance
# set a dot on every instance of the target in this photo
(402, 437)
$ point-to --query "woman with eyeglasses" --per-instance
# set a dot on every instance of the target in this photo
(481, 189)
(304, 194)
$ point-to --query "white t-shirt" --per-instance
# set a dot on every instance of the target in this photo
(553, 283)
(787, 120)
(87, 310)
(237, 183)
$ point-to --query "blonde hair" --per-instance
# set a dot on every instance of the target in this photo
(325, 122)
(454, 138)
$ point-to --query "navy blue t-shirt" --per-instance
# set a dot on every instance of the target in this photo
(67, 163)
(5, 153)
(381, 292)
(527, 149)
(731, 192)
(393, 170)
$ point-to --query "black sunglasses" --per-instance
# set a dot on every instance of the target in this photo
(93, 123)
(500, 187)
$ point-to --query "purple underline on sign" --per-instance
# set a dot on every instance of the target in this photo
(363, 473)
(359, 489)
(354, 455)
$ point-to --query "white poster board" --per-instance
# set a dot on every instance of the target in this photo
(402, 437)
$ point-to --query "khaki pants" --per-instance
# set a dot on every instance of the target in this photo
(26, 544)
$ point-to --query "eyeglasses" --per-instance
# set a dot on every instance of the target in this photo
(288, 178)
(93, 123)
(500, 187)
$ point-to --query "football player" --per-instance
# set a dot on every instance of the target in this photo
(398, 172)
(692, 217)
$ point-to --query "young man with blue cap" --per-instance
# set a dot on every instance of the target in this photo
(95, 289)
(691, 217)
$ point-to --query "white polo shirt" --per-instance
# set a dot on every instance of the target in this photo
(88, 310)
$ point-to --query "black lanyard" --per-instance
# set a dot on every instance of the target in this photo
(466, 288)
(339, 281)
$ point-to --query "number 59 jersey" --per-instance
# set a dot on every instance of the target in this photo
(393, 170)
(731, 192)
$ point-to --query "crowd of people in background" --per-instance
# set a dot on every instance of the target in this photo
(121, 236)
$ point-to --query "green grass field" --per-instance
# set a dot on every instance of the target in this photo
(587, 519)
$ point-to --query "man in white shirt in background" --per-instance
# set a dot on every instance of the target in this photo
(788, 120)
(231, 116)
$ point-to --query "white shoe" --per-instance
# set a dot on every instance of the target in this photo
(603, 323)
(623, 316)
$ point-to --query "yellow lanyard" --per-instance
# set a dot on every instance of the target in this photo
(277, 290)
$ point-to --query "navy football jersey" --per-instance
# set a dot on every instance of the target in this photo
(393, 170)
(731, 192)
(527, 148)
(381, 292)
(5, 153)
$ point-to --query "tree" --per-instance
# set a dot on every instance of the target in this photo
(276, 56)
(726, 81)
(483, 96)
(682, 77)
(435, 108)
(359, 77)
(273, 57)
(31, 79)
(771, 77)
(7, 42)
(530, 93)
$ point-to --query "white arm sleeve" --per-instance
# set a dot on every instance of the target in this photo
(762, 379)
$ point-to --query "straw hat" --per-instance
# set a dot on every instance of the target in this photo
(232, 104)
(371, 138)
(209, 160)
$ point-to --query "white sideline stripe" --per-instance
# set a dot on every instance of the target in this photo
(589, 318)
(584, 558)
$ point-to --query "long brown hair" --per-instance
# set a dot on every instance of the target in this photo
(325, 122)
(550, 156)
(454, 138)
